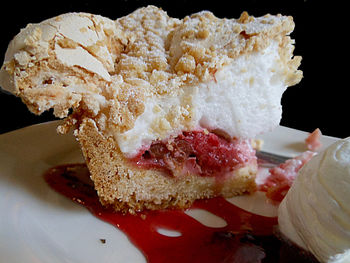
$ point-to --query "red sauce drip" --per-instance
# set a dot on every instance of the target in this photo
(203, 153)
(246, 238)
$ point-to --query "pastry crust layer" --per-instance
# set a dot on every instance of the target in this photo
(130, 189)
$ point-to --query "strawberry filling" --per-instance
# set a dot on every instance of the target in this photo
(281, 177)
(313, 142)
(196, 152)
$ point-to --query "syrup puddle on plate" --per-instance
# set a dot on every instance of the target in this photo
(212, 230)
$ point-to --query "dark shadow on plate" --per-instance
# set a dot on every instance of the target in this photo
(297, 146)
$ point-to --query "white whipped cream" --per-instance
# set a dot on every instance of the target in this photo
(341, 258)
(315, 213)
(243, 101)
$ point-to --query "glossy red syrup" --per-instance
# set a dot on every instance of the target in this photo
(202, 153)
(246, 238)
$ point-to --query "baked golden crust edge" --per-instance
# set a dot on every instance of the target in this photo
(130, 189)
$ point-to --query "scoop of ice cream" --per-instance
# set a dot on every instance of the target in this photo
(315, 213)
(340, 258)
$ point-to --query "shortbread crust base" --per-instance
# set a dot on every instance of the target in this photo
(130, 189)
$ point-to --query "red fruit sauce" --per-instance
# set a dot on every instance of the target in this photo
(203, 153)
(246, 237)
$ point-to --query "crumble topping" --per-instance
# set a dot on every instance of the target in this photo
(108, 70)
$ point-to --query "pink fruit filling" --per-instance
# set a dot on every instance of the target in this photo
(196, 152)
(281, 177)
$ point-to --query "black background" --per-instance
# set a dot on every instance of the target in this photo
(319, 101)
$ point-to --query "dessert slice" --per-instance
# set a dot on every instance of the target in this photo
(165, 110)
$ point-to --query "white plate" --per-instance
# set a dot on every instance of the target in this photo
(39, 225)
